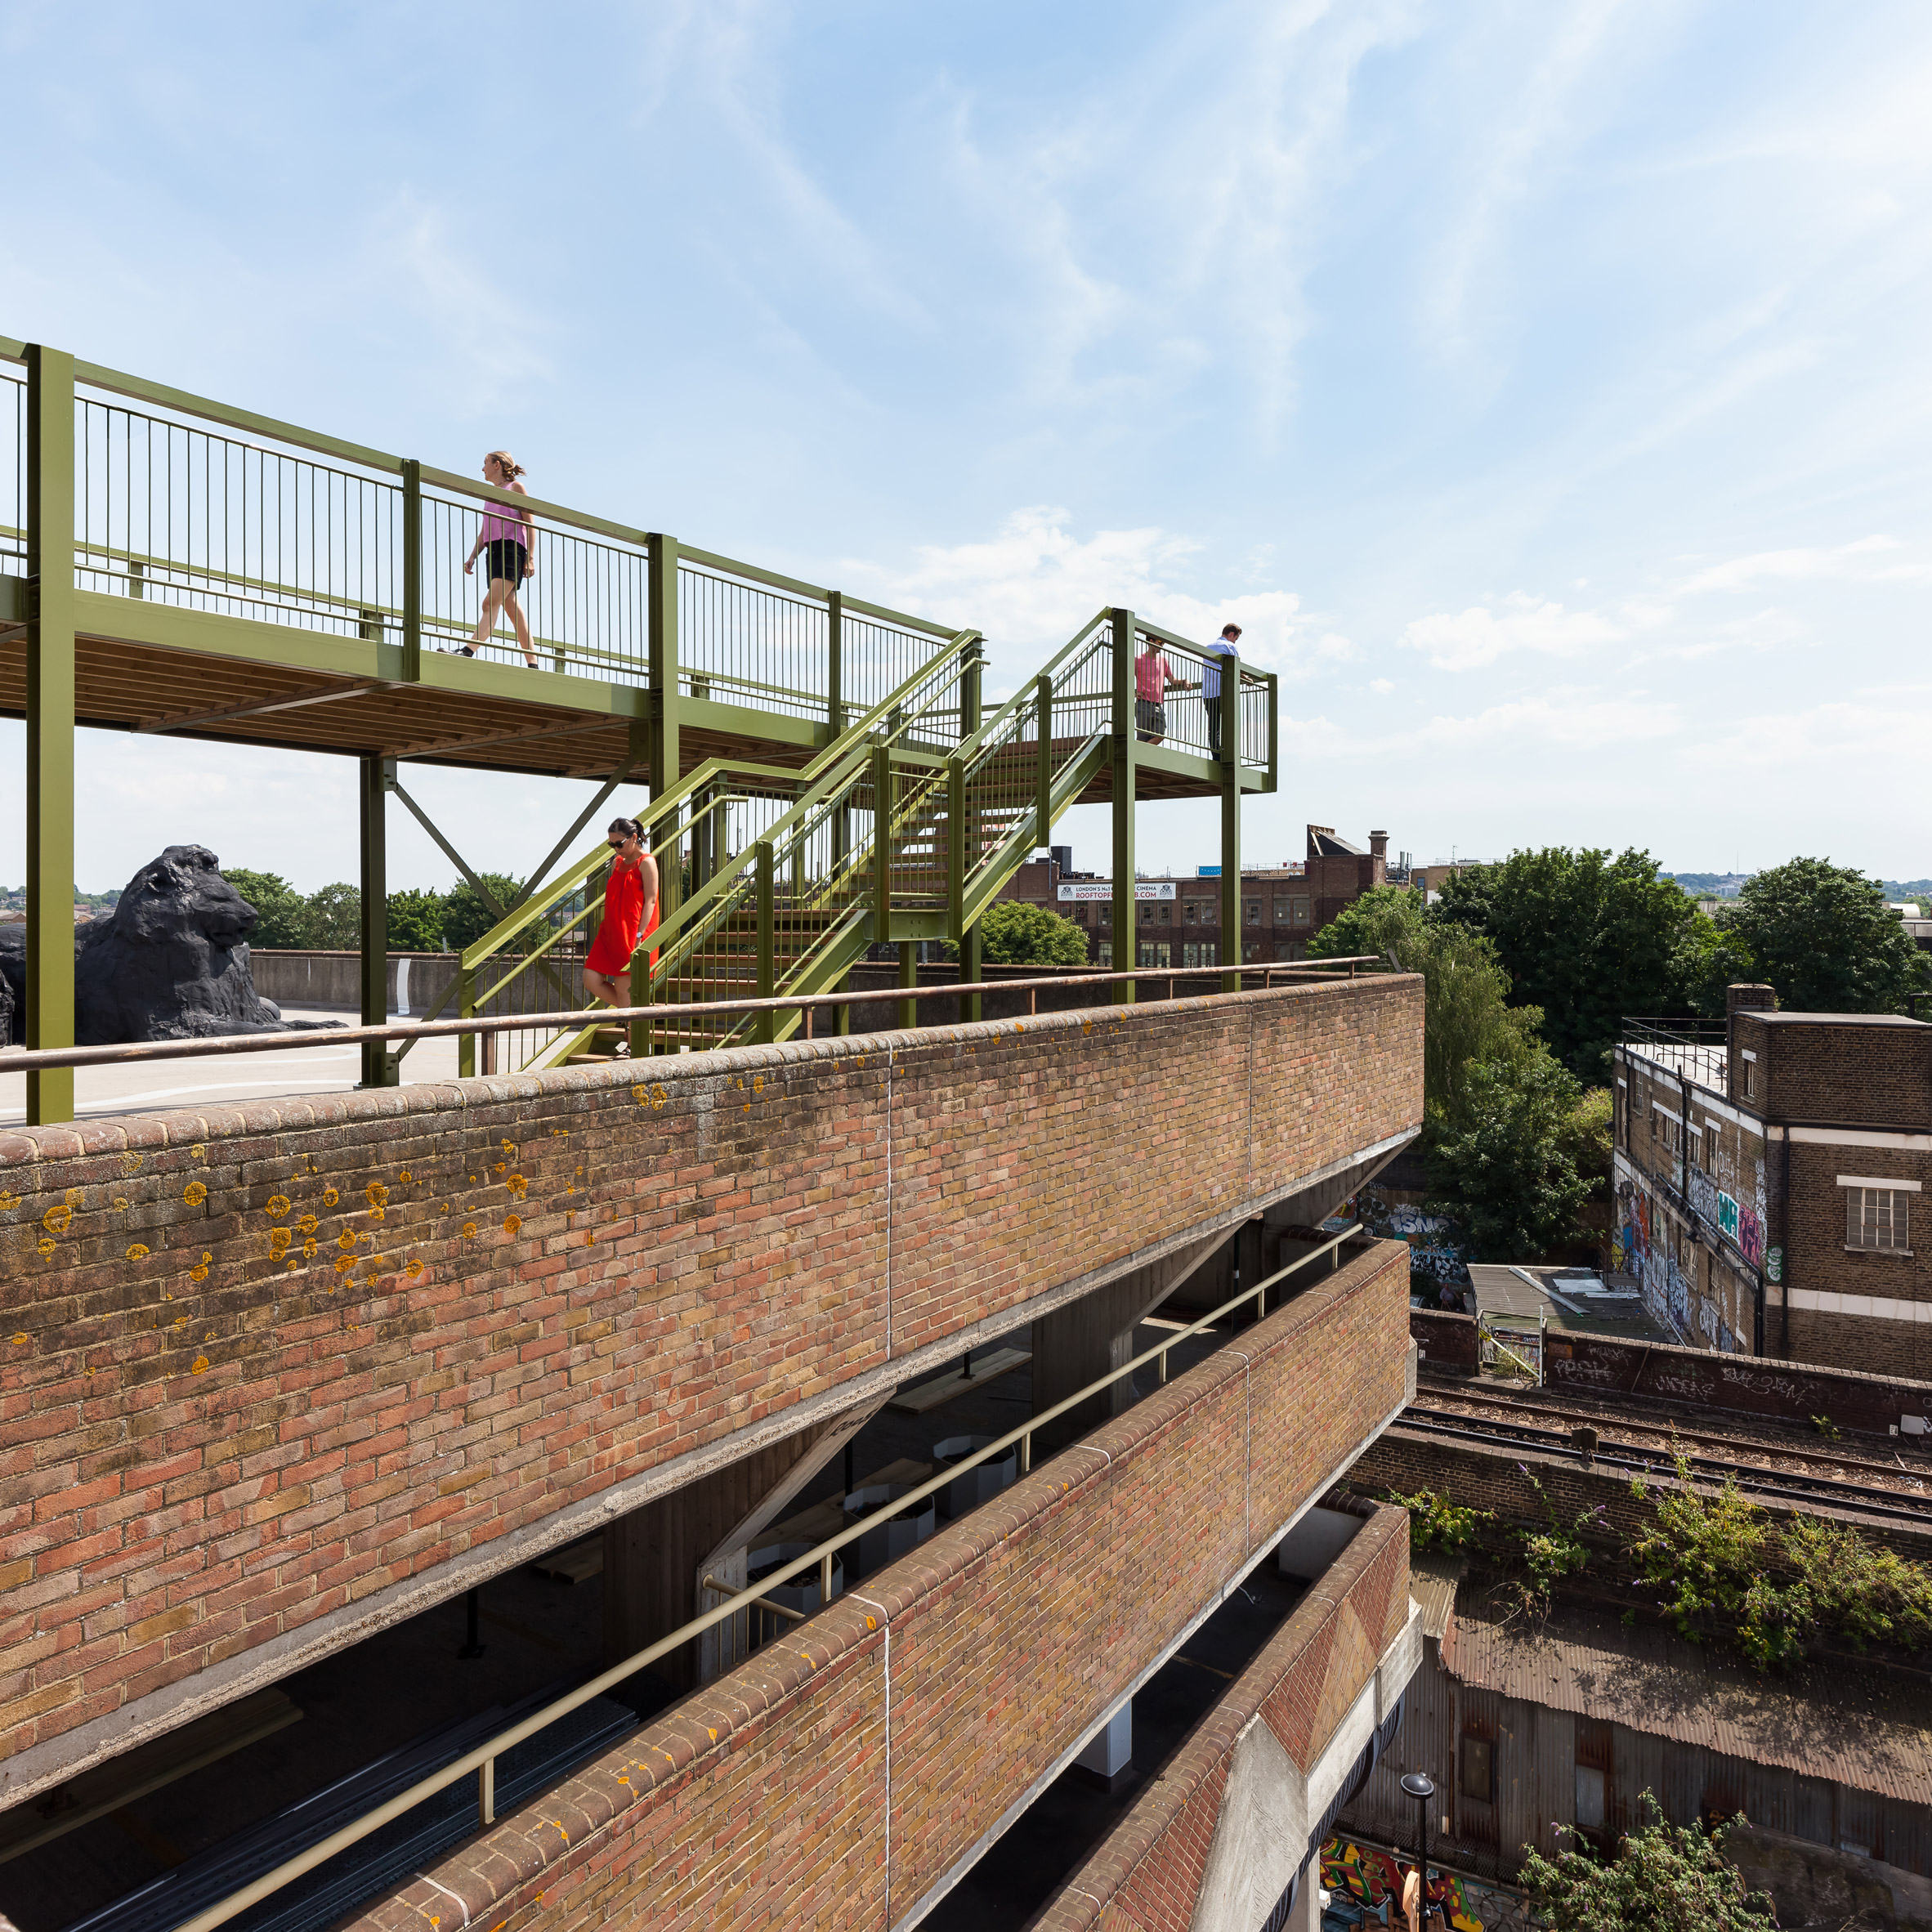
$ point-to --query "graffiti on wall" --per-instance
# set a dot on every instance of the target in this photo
(1369, 1877)
(1749, 1235)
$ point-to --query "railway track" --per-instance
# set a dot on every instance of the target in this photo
(1753, 1479)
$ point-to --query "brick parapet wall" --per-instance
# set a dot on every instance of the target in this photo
(775, 1797)
(260, 1366)
(1605, 1368)
(1147, 1874)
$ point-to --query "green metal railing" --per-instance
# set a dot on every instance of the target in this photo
(191, 502)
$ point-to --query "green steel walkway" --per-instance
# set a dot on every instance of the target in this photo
(821, 777)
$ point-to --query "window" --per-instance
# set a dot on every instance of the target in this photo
(1301, 912)
(1653, 1123)
(1251, 951)
(1590, 1798)
(1283, 949)
(1876, 1218)
(1750, 1075)
(1281, 912)
(1106, 914)
(1193, 914)
(1106, 952)
(1166, 916)
(1253, 913)
(1164, 956)
(1710, 1147)
(1147, 952)
(1190, 955)
(1208, 916)
(1477, 1777)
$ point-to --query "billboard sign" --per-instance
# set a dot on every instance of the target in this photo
(1103, 889)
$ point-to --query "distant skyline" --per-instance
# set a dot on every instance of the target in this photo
(1543, 387)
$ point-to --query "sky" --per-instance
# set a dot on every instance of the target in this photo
(1542, 386)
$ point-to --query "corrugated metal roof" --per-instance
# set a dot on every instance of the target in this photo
(1861, 1728)
(1433, 1577)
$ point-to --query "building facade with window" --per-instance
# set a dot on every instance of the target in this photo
(1769, 1173)
(1179, 919)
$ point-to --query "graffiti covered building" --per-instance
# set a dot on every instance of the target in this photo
(1767, 1171)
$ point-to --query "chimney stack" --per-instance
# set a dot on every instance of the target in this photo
(1378, 845)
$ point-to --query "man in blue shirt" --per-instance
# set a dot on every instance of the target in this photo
(1223, 654)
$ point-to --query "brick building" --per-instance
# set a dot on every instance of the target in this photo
(1767, 1171)
(1283, 907)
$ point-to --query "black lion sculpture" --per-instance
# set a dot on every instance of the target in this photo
(170, 963)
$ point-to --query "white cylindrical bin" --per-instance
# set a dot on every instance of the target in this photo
(898, 1534)
(800, 1594)
(979, 1484)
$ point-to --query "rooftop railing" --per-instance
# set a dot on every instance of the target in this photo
(186, 502)
(1698, 1049)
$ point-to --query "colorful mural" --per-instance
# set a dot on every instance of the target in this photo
(1369, 1876)
(1749, 1235)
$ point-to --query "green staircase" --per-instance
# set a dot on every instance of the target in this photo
(778, 881)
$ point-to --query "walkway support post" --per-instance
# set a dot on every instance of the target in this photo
(1126, 745)
(1231, 829)
(411, 571)
(662, 726)
(970, 951)
(50, 725)
(377, 774)
(768, 916)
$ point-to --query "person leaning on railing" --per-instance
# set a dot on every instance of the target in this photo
(506, 534)
(1222, 659)
(1152, 674)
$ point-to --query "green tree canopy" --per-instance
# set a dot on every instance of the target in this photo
(1664, 1878)
(283, 913)
(415, 921)
(1506, 1172)
(1824, 937)
(1013, 934)
(331, 918)
(1376, 923)
(467, 916)
(1711, 956)
(1590, 938)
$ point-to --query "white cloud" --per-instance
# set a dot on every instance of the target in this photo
(1381, 686)
(1467, 640)
(1034, 583)
(1862, 562)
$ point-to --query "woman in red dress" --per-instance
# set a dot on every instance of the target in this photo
(630, 914)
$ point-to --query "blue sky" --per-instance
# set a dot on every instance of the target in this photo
(1544, 385)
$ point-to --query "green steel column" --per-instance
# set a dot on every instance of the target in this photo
(909, 975)
(882, 843)
(1126, 743)
(971, 687)
(663, 595)
(411, 571)
(767, 863)
(377, 774)
(1230, 856)
(835, 661)
(50, 725)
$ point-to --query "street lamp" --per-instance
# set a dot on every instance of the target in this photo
(1421, 1786)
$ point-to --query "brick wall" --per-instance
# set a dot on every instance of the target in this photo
(1731, 1384)
(1146, 1874)
(1864, 1070)
(258, 1366)
(833, 1779)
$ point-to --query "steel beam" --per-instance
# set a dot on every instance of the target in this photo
(661, 735)
(50, 725)
(1230, 836)
(377, 774)
(325, 694)
(1126, 743)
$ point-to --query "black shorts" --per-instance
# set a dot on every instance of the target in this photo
(1150, 717)
(507, 560)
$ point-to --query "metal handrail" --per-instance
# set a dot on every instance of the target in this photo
(482, 1759)
(33, 1059)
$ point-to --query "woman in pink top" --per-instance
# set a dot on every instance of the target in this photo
(506, 534)
(1150, 673)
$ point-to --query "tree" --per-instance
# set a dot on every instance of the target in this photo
(415, 921)
(1588, 938)
(281, 912)
(1709, 957)
(1467, 1020)
(1013, 934)
(467, 916)
(1505, 1172)
(331, 918)
(1664, 1878)
(1376, 923)
(1824, 937)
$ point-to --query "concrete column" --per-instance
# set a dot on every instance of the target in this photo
(1109, 1757)
(377, 775)
(1079, 1343)
(1305, 1914)
(655, 1558)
